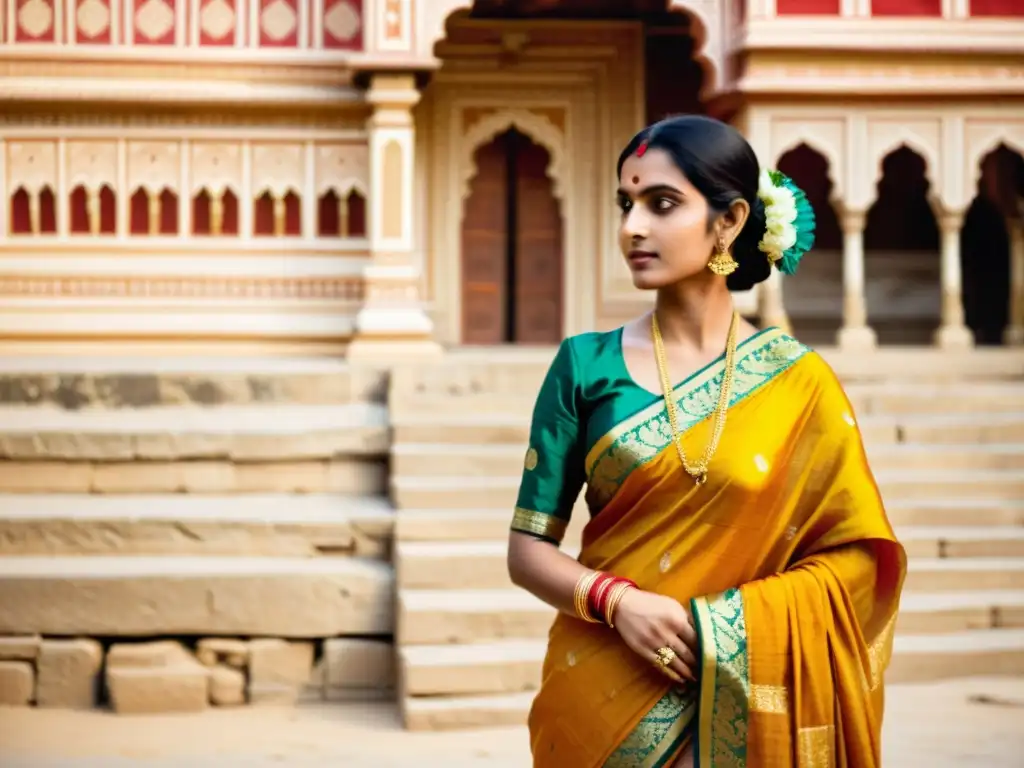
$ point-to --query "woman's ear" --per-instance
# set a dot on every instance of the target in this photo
(733, 219)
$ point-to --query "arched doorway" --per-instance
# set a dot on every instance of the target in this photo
(901, 260)
(985, 244)
(511, 246)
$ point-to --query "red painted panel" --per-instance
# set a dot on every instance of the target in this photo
(807, 7)
(154, 21)
(343, 24)
(279, 23)
(168, 212)
(34, 21)
(218, 20)
(21, 219)
(93, 22)
(997, 7)
(108, 211)
(47, 211)
(79, 211)
(906, 7)
(138, 213)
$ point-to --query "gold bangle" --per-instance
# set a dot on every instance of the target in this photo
(613, 602)
(580, 596)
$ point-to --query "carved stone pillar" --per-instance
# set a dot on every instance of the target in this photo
(1014, 334)
(855, 333)
(953, 333)
(392, 322)
(771, 306)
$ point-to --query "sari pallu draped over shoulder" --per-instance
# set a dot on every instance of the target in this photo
(785, 557)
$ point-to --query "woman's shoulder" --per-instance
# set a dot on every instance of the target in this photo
(593, 345)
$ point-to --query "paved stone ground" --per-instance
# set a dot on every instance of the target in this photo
(928, 725)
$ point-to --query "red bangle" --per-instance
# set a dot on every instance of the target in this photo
(601, 590)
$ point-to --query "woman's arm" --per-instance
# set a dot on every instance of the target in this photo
(552, 478)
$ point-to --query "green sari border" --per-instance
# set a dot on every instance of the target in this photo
(641, 437)
(658, 738)
(723, 707)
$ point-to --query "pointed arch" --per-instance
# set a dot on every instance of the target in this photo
(909, 139)
(705, 14)
(539, 128)
(982, 144)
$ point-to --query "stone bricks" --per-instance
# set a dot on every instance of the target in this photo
(19, 647)
(212, 650)
(161, 653)
(227, 686)
(68, 672)
(357, 668)
(17, 683)
(180, 687)
(279, 670)
(161, 676)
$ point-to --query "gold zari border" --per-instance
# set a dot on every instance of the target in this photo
(817, 746)
(772, 699)
(541, 524)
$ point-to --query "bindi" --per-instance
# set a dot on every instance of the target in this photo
(636, 179)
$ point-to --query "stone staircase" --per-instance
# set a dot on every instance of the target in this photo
(150, 498)
(948, 454)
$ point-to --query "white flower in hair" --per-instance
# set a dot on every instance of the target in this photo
(780, 212)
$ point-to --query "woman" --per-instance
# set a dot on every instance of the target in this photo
(734, 598)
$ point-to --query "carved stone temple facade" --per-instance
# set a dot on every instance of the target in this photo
(279, 280)
(316, 176)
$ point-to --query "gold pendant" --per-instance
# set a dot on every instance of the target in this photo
(700, 479)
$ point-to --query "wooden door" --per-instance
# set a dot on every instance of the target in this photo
(485, 248)
(537, 248)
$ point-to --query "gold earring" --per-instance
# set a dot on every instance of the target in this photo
(722, 263)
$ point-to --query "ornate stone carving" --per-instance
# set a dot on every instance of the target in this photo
(278, 21)
(342, 167)
(154, 166)
(92, 164)
(301, 288)
(217, 19)
(32, 165)
(342, 21)
(93, 18)
(277, 168)
(216, 168)
(154, 20)
(36, 18)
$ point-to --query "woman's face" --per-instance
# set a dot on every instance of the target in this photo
(663, 232)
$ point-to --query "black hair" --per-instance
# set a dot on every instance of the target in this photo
(721, 164)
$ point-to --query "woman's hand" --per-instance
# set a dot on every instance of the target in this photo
(648, 621)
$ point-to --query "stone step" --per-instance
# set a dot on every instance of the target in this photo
(355, 475)
(498, 459)
(229, 432)
(207, 596)
(961, 541)
(125, 382)
(972, 653)
(271, 525)
(442, 617)
(493, 524)
(446, 713)
(475, 492)
(962, 574)
(514, 666)
(482, 565)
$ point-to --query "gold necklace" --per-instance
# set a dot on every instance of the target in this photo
(698, 471)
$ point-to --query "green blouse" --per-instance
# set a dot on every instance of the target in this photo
(589, 396)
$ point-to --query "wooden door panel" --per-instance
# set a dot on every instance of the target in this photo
(538, 269)
(484, 249)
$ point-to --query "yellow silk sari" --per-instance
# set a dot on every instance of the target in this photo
(785, 558)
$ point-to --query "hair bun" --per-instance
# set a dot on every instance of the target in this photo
(754, 266)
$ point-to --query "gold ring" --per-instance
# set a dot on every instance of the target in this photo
(665, 656)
